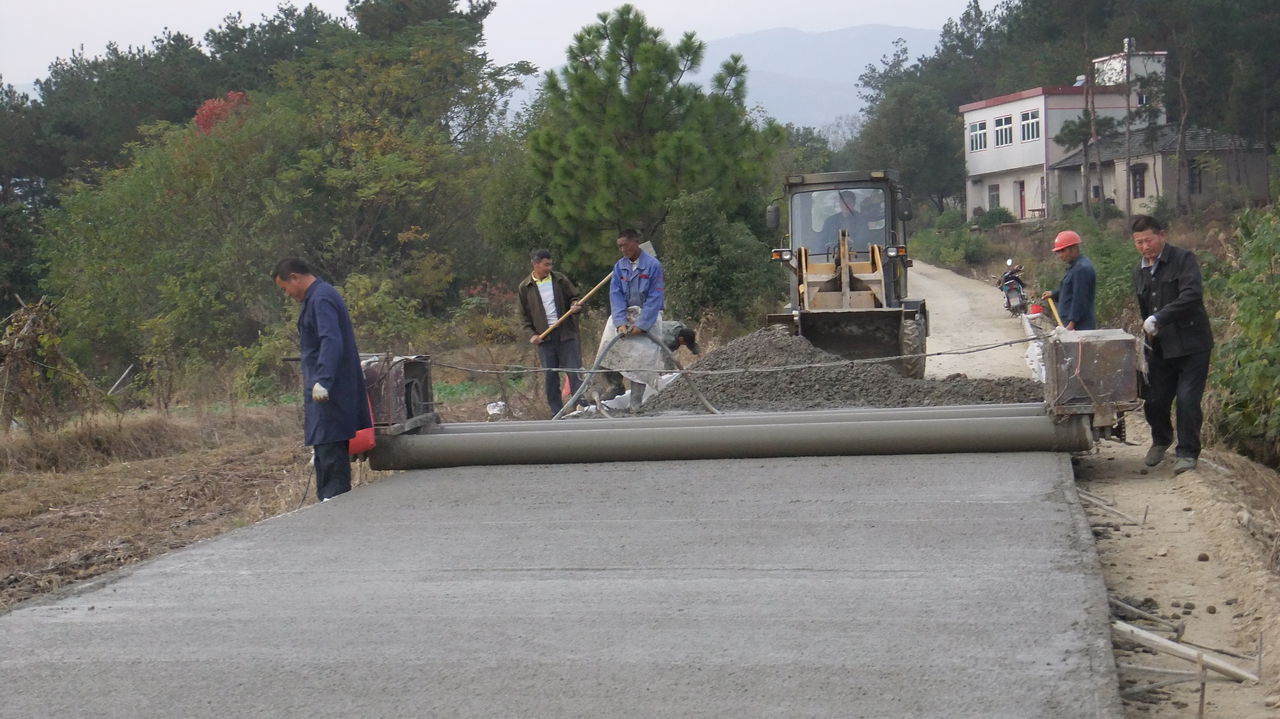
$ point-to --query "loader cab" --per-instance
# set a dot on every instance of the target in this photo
(847, 263)
(817, 216)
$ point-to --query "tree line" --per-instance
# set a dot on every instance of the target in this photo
(151, 190)
(1222, 73)
(148, 191)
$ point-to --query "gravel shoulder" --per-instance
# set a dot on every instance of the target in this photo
(1225, 511)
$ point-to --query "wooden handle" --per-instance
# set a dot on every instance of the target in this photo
(585, 297)
(1054, 307)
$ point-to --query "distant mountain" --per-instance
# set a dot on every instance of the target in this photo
(811, 78)
(25, 88)
(805, 78)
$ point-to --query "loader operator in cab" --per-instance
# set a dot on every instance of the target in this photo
(845, 218)
(861, 213)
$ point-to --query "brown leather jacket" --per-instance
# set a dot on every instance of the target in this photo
(532, 314)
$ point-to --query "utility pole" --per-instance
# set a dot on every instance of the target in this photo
(1128, 121)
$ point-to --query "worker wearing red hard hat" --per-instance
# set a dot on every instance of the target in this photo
(1075, 295)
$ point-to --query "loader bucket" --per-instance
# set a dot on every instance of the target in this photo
(855, 334)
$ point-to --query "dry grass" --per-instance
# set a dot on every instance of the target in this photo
(187, 478)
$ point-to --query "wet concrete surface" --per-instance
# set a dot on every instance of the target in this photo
(941, 585)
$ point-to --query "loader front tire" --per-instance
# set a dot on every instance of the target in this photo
(913, 344)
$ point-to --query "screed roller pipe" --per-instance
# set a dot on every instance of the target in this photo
(716, 439)
(865, 414)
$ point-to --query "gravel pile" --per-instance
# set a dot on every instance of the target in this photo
(850, 385)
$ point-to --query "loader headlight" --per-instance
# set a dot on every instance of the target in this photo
(899, 251)
(780, 256)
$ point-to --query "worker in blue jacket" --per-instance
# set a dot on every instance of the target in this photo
(334, 397)
(1076, 296)
(637, 282)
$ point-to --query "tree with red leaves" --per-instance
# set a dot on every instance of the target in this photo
(214, 111)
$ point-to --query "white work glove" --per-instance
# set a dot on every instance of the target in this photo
(319, 393)
(1150, 326)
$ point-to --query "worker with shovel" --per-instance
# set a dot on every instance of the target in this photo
(548, 308)
(1076, 295)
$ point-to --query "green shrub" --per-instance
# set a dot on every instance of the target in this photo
(950, 220)
(712, 265)
(263, 374)
(995, 216)
(1247, 359)
(954, 248)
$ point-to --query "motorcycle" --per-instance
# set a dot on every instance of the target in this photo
(1013, 288)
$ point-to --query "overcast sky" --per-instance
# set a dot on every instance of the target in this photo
(35, 32)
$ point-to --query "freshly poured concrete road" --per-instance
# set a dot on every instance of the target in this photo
(932, 586)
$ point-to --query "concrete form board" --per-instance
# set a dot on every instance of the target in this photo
(940, 585)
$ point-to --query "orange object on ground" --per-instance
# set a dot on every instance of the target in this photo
(364, 439)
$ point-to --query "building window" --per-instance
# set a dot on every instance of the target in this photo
(1004, 130)
(1030, 125)
(1142, 99)
(1139, 180)
(1195, 178)
(977, 136)
(1097, 191)
(993, 196)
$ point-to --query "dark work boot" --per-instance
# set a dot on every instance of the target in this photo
(1155, 454)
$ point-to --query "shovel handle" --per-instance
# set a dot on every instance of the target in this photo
(585, 297)
(1054, 307)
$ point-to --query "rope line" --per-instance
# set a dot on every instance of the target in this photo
(523, 369)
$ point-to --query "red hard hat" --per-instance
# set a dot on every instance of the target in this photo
(1065, 239)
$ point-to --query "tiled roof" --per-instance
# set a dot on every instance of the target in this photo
(1158, 139)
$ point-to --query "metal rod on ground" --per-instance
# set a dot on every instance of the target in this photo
(585, 297)
(1158, 685)
(1223, 652)
(1103, 500)
(1156, 641)
(1145, 615)
(1098, 503)
(1200, 663)
(1158, 670)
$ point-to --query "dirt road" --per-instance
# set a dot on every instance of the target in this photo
(966, 313)
(1196, 556)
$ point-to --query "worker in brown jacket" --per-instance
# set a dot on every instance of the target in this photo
(545, 297)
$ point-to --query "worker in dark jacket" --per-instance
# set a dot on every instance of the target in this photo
(1179, 340)
(545, 297)
(1076, 295)
(334, 398)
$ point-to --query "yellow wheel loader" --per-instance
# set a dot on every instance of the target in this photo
(847, 259)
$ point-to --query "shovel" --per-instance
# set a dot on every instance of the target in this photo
(586, 297)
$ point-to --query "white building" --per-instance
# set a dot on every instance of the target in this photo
(1009, 147)
(1221, 169)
